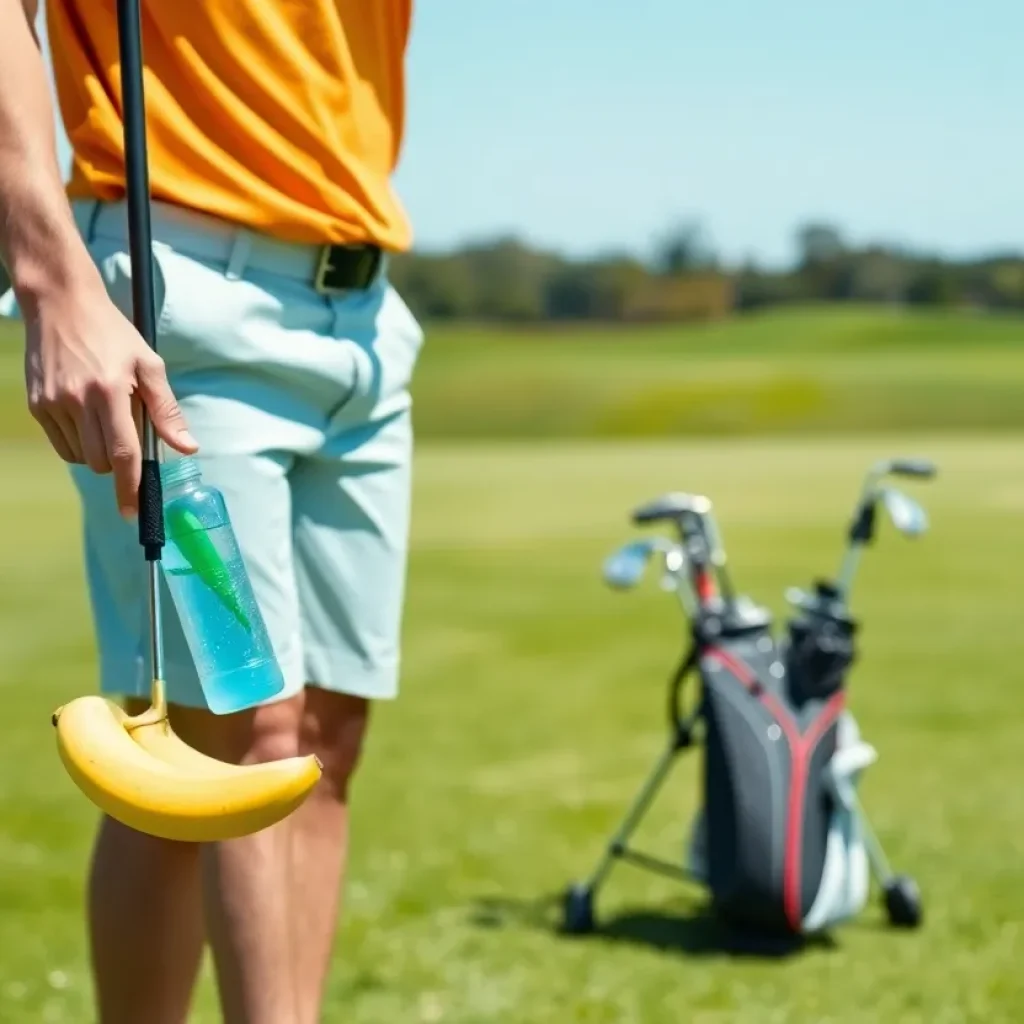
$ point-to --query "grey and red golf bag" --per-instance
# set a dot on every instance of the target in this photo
(778, 840)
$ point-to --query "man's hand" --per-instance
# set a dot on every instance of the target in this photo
(87, 370)
(87, 374)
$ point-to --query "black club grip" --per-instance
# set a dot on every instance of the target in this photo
(151, 510)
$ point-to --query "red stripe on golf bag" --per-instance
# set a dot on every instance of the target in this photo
(801, 747)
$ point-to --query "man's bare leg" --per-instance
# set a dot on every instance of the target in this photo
(145, 924)
(246, 893)
(271, 899)
(246, 883)
(333, 727)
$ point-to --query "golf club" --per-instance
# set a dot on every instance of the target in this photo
(716, 551)
(923, 469)
(151, 523)
(906, 515)
(693, 517)
(625, 567)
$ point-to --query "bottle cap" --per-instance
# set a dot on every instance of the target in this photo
(174, 472)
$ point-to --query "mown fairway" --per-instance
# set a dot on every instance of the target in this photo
(786, 372)
(533, 706)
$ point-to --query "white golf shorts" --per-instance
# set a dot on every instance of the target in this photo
(300, 404)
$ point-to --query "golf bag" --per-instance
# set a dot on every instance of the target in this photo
(780, 840)
(777, 840)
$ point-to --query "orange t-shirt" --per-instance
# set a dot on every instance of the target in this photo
(283, 115)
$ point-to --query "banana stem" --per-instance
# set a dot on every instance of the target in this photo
(158, 698)
(157, 710)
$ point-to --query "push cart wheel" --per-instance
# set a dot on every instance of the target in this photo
(903, 902)
(578, 910)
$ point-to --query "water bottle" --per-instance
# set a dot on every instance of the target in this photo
(212, 594)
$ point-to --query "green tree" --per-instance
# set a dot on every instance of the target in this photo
(684, 248)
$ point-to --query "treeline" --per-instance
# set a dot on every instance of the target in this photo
(507, 280)
(684, 279)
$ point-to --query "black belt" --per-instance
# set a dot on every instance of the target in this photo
(345, 268)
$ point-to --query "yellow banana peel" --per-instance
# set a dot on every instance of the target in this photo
(139, 772)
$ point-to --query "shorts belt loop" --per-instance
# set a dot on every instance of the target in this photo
(239, 256)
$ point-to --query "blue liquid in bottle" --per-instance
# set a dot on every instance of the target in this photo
(212, 594)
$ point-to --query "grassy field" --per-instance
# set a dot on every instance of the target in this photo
(786, 372)
(532, 707)
(533, 697)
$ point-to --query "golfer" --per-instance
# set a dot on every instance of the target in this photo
(285, 363)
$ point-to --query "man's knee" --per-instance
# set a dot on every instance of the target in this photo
(333, 727)
(330, 725)
(266, 733)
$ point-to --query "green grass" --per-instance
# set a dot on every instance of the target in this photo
(800, 371)
(532, 700)
(783, 372)
(532, 708)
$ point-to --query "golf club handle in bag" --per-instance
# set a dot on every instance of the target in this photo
(151, 524)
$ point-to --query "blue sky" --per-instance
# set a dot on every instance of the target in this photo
(585, 126)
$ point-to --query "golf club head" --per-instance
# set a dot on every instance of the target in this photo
(674, 507)
(919, 469)
(624, 568)
(693, 517)
(675, 560)
(906, 514)
(924, 469)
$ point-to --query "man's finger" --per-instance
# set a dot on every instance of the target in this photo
(94, 443)
(58, 441)
(123, 453)
(164, 411)
(65, 425)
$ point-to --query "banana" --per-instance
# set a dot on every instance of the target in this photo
(136, 770)
(166, 745)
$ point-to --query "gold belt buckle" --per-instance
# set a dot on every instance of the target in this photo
(365, 270)
(323, 269)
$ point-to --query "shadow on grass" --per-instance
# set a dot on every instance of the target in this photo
(688, 929)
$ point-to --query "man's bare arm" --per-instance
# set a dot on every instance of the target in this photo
(38, 241)
(86, 368)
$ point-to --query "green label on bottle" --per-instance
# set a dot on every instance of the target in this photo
(190, 538)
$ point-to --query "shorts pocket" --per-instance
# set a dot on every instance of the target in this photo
(400, 340)
(113, 259)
